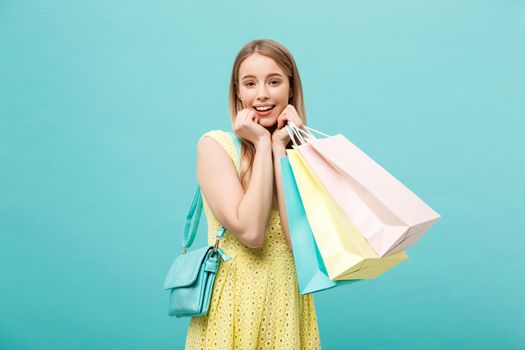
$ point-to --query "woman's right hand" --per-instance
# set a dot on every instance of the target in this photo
(247, 127)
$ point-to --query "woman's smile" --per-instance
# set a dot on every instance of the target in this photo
(264, 110)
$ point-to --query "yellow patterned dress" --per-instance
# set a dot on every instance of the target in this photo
(256, 302)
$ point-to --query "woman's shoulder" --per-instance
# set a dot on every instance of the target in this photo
(216, 133)
(223, 138)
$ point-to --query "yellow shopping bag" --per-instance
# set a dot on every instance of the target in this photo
(345, 252)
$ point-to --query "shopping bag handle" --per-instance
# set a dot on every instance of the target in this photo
(293, 131)
(303, 134)
(308, 132)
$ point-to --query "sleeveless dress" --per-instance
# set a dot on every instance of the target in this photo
(256, 302)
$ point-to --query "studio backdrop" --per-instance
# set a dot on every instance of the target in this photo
(101, 107)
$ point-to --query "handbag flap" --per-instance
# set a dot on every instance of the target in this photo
(185, 269)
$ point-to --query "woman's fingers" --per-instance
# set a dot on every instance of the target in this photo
(243, 120)
(290, 115)
(244, 117)
(281, 121)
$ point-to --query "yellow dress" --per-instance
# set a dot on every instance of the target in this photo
(256, 302)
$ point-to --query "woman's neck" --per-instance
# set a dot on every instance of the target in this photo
(272, 128)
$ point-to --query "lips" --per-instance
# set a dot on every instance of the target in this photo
(255, 107)
(264, 113)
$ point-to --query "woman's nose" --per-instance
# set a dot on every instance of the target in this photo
(262, 92)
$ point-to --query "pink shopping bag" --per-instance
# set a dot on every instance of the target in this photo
(386, 212)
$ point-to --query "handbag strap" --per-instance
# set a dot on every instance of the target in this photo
(194, 214)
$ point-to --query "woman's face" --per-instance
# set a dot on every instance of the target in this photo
(263, 84)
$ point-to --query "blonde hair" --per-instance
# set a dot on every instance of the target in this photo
(284, 59)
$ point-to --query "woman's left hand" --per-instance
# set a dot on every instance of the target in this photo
(280, 135)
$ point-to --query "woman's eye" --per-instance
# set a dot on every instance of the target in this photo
(273, 82)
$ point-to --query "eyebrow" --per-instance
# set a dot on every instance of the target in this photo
(252, 76)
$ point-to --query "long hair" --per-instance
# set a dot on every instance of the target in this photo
(284, 59)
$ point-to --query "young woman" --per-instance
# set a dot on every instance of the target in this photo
(256, 302)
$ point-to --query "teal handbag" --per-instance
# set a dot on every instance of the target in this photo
(191, 276)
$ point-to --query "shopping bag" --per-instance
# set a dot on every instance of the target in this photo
(311, 272)
(346, 254)
(386, 212)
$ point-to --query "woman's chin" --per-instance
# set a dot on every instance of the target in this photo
(269, 125)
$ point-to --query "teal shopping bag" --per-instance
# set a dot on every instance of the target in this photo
(311, 271)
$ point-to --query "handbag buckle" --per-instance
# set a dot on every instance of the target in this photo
(184, 250)
(216, 246)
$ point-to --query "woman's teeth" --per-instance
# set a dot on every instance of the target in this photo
(265, 108)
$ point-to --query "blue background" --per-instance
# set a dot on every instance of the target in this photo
(101, 107)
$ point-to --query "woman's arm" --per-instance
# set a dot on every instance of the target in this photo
(279, 151)
(243, 214)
